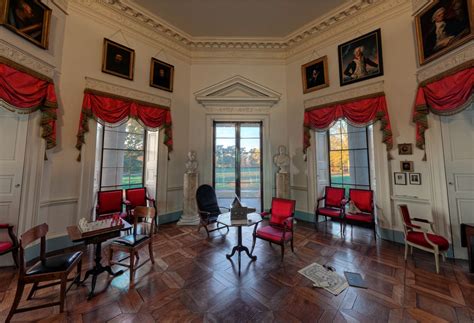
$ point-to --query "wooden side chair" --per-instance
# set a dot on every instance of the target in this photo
(139, 197)
(9, 246)
(280, 228)
(363, 200)
(132, 243)
(208, 209)
(418, 237)
(54, 268)
(334, 203)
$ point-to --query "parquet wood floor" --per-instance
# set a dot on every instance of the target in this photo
(192, 281)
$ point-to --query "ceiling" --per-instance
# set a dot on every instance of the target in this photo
(239, 18)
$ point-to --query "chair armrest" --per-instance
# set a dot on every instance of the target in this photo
(344, 202)
(321, 198)
(5, 226)
(265, 214)
(421, 220)
(288, 220)
(223, 207)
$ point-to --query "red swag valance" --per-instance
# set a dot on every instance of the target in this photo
(445, 94)
(111, 109)
(359, 112)
(26, 91)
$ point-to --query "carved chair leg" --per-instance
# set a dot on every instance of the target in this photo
(253, 244)
(15, 257)
(150, 251)
(62, 295)
(436, 255)
(16, 301)
(78, 273)
(375, 232)
(132, 265)
(32, 291)
(406, 251)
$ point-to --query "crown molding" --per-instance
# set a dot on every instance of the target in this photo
(103, 86)
(355, 92)
(62, 4)
(21, 57)
(237, 92)
(418, 5)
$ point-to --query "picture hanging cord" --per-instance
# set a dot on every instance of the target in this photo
(123, 36)
(158, 53)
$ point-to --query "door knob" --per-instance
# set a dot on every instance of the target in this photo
(450, 183)
(17, 185)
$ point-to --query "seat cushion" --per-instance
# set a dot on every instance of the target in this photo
(273, 234)
(419, 239)
(360, 217)
(5, 245)
(131, 240)
(54, 264)
(326, 211)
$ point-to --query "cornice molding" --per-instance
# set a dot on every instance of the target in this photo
(21, 57)
(103, 86)
(418, 5)
(62, 4)
(345, 94)
(447, 62)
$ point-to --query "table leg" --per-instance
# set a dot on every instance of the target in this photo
(239, 248)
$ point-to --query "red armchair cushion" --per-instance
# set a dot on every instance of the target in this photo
(109, 201)
(360, 217)
(363, 199)
(334, 213)
(334, 196)
(273, 234)
(136, 196)
(281, 210)
(5, 245)
(419, 239)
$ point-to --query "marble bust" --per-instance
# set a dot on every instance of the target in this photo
(191, 163)
(282, 160)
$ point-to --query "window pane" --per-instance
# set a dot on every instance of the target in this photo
(250, 131)
(335, 142)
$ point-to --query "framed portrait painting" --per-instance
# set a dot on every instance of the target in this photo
(400, 178)
(415, 179)
(315, 75)
(28, 18)
(161, 75)
(118, 60)
(361, 58)
(442, 26)
(407, 166)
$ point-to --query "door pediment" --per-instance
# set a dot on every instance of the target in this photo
(236, 92)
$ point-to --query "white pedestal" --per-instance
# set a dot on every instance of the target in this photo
(190, 214)
(283, 185)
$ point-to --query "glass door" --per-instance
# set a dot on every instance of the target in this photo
(238, 163)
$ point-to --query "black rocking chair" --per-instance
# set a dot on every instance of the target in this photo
(208, 209)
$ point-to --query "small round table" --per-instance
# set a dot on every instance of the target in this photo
(252, 219)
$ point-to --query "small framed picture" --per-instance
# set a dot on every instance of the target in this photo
(118, 60)
(161, 75)
(415, 178)
(400, 178)
(315, 75)
(405, 149)
(406, 166)
(28, 18)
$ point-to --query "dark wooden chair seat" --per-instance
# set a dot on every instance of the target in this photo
(131, 240)
(54, 264)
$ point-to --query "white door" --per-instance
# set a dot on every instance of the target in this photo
(322, 165)
(458, 145)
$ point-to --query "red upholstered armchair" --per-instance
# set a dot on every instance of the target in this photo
(280, 228)
(363, 200)
(418, 237)
(110, 202)
(334, 202)
(9, 246)
(139, 197)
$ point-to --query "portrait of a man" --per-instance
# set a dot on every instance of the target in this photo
(315, 75)
(118, 60)
(443, 26)
(28, 18)
(161, 75)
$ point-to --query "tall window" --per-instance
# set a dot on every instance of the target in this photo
(123, 156)
(348, 156)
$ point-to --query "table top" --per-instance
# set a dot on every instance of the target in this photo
(252, 218)
(75, 233)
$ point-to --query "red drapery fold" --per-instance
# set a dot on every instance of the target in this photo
(359, 112)
(26, 91)
(446, 94)
(112, 109)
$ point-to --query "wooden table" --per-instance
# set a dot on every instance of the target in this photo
(252, 219)
(97, 238)
(467, 240)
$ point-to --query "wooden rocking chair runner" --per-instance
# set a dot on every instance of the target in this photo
(208, 209)
(9, 246)
(52, 268)
(416, 236)
(132, 243)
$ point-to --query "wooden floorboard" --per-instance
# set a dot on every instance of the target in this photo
(192, 281)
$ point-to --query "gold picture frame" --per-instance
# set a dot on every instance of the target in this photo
(161, 75)
(118, 59)
(407, 166)
(315, 75)
(32, 24)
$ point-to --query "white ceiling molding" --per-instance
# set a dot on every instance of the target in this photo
(447, 62)
(237, 92)
(355, 92)
(107, 87)
(418, 5)
(61, 4)
(21, 57)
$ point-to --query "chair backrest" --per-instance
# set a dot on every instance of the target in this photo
(207, 200)
(333, 196)
(143, 212)
(405, 217)
(282, 209)
(109, 201)
(363, 199)
(136, 196)
(33, 234)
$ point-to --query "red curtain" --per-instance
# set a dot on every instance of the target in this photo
(445, 94)
(111, 109)
(26, 91)
(359, 112)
